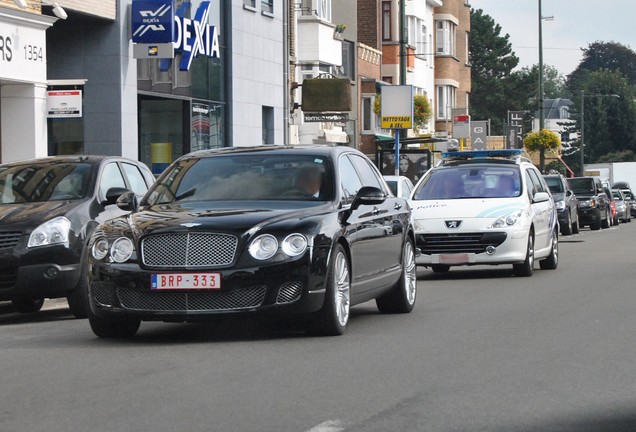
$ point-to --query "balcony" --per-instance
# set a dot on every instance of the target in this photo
(316, 42)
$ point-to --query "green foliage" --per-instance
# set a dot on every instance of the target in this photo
(421, 111)
(620, 156)
(556, 167)
(543, 140)
(604, 55)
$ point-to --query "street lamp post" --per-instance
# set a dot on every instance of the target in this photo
(582, 149)
(541, 113)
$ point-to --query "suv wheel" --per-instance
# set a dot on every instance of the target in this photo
(566, 229)
(606, 223)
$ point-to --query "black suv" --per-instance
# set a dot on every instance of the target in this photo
(566, 203)
(594, 206)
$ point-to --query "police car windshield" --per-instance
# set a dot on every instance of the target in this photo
(470, 182)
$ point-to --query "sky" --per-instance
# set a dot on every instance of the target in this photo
(576, 24)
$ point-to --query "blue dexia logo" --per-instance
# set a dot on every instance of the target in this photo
(155, 22)
(195, 36)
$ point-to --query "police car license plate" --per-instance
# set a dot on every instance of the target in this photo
(188, 281)
(460, 258)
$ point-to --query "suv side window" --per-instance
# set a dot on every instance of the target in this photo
(135, 178)
(111, 177)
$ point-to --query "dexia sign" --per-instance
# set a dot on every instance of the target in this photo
(155, 22)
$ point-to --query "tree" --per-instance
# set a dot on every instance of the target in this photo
(609, 113)
(492, 61)
(604, 55)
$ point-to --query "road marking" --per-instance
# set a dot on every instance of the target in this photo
(329, 426)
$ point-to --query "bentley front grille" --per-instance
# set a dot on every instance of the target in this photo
(188, 250)
(476, 243)
(157, 301)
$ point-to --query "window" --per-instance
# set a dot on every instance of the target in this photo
(348, 60)
(111, 177)
(135, 178)
(445, 101)
(323, 9)
(386, 20)
(367, 174)
(350, 182)
(445, 44)
(267, 6)
(417, 36)
(268, 125)
(367, 113)
(249, 3)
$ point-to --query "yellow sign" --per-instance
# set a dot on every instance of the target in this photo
(397, 122)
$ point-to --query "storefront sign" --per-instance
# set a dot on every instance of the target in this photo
(22, 53)
(152, 21)
(155, 22)
(64, 103)
(195, 37)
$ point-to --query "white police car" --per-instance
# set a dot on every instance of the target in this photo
(485, 207)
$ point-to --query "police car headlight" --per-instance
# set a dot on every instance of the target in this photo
(418, 225)
(560, 205)
(507, 221)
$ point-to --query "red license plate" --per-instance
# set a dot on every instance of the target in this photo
(187, 281)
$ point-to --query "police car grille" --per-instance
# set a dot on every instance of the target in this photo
(188, 250)
(431, 244)
(237, 299)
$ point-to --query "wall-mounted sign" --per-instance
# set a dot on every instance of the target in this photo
(326, 117)
(154, 20)
(64, 103)
(22, 53)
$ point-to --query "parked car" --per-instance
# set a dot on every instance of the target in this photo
(622, 210)
(594, 204)
(401, 186)
(48, 209)
(244, 231)
(485, 207)
(566, 203)
(630, 199)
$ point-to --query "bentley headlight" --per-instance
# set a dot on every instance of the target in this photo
(122, 249)
(508, 220)
(55, 231)
(294, 244)
(263, 247)
(100, 249)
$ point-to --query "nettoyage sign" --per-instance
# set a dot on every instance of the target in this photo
(156, 23)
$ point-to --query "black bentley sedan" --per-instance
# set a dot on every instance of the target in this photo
(304, 230)
(48, 209)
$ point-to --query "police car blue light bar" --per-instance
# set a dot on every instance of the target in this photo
(475, 154)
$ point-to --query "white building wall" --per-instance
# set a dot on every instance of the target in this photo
(422, 76)
(257, 72)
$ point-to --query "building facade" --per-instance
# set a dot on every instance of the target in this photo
(231, 92)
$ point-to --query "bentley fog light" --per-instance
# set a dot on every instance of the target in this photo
(54, 231)
(100, 249)
(122, 249)
(263, 247)
(294, 244)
